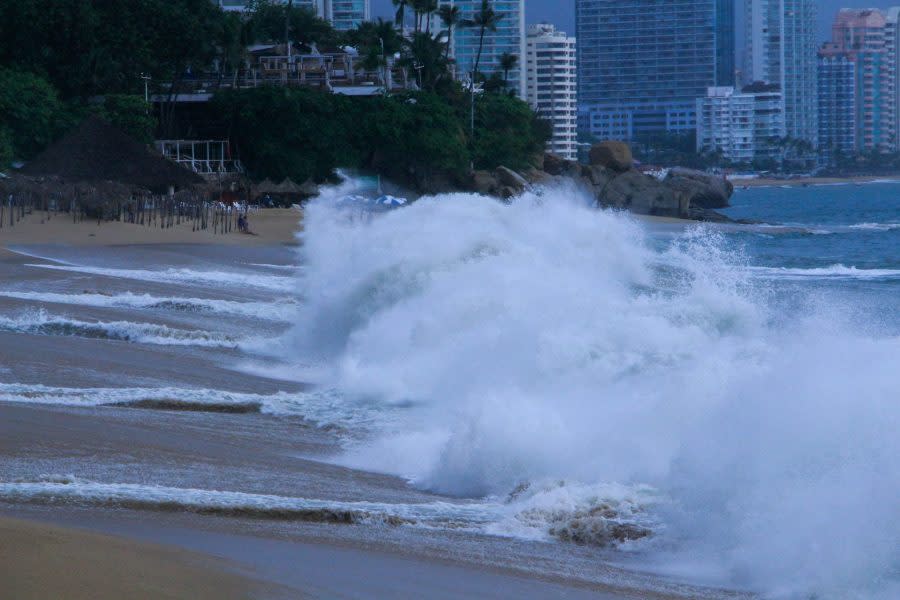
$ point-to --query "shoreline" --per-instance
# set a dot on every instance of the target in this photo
(41, 560)
(812, 181)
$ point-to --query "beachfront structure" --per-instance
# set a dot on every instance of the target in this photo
(781, 47)
(837, 105)
(859, 37)
(892, 47)
(550, 84)
(742, 126)
(508, 39)
(642, 64)
(342, 14)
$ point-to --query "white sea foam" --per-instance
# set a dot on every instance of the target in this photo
(836, 271)
(73, 490)
(321, 407)
(43, 323)
(546, 340)
(280, 283)
(876, 226)
(280, 310)
(597, 513)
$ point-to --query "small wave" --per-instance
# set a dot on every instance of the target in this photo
(876, 226)
(184, 276)
(320, 408)
(837, 271)
(41, 323)
(281, 310)
(65, 490)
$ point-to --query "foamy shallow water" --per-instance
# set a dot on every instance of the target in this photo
(542, 372)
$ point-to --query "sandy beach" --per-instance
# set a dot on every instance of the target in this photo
(268, 226)
(39, 561)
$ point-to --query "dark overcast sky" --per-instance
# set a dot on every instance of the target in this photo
(562, 13)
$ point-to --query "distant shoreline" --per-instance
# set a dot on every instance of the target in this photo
(813, 181)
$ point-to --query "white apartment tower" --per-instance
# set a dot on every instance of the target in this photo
(743, 126)
(550, 84)
(781, 49)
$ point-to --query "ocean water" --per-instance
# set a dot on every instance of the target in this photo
(716, 406)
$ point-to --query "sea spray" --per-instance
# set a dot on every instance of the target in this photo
(546, 339)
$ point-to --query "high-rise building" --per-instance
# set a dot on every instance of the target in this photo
(892, 46)
(837, 105)
(346, 14)
(550, 84)
(642, 64)
(509, 38)
(858, 37)
(781, 46)
(743, 126)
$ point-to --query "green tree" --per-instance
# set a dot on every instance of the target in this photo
(507, 132)
(130, 114)
(7, 153)
(268, 19)
(30, 111)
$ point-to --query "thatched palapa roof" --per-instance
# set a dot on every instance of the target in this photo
(98, 151)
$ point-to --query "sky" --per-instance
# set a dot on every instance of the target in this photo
(562, 14)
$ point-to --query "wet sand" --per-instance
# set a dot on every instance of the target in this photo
(39, 561)
(268, 226)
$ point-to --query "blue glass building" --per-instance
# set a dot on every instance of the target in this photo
(346, 14)
(642, 64)
(509, 37)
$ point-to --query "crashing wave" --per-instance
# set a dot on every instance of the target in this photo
(42, 323)
(280, 310)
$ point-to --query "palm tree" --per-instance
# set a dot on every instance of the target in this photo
(508, 62)
(429, 7)
(451, 17)
(400, 16)
(486, 20)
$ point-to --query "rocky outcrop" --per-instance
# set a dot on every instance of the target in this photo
(612, 179)
(703, 190)
(501, 182)
(612, 155)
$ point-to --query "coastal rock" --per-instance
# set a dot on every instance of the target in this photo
(644, 195)
(598, 176)
(703, 190)
(511, 179)
(483, 182)
(554, 164)
(612, 155)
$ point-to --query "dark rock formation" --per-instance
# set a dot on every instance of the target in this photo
(703, 189)
(612, 179)
(612, 155)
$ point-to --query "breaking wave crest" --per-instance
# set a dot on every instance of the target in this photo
(280, 310)
(546, 340)
(42, 323)
(554, 511)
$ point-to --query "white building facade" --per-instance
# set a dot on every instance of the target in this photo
(781, 49)
(550, 84)
(342, 14)
(742, 126)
